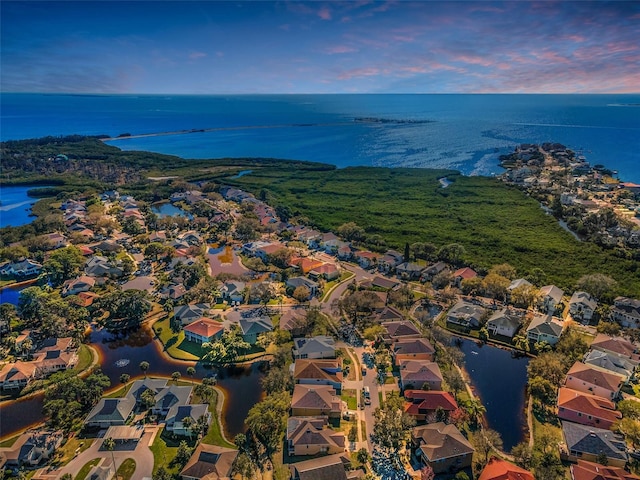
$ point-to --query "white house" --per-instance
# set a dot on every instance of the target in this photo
(582, 305)
(504, 323)
(545, 328)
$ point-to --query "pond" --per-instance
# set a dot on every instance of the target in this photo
(500, 380)
(11, 294)
(15, 205)
(169, 210)
(123, 355)
(242, 173)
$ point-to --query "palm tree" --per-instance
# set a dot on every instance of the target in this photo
(175, 376)
(521, 342)
(191, 372)
(109, 444)
(144, 366)
(475, 409)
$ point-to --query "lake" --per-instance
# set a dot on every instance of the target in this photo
(500, 381)
(11, 293)
(169, 210)
(15, 206)
(241, 384)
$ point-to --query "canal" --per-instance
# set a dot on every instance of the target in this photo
(500, 380)
(241, 385)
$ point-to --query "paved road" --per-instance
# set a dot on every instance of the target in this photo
(141, 454)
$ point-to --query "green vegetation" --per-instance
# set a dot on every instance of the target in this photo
(84, 471)
(127, 469)
(164, 450)
(85, 356)
(494, 222)
(350, 396)
(214, 435)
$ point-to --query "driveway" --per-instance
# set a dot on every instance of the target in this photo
(139, 452)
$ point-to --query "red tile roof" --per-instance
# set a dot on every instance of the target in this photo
(429, 400)
(588, 404)
(465, 273)
(498, 469)
(594, 471)
(204, 327)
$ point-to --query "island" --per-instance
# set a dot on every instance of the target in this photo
(263, 318)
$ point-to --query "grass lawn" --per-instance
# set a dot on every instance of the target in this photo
(329, 286)
(381, 398)
(85, 356)
(350, 396)
(175, 344)
(84, 471)
(8, 442)
(214, 435)
(72, 448)
(126, 470)
(164, 450)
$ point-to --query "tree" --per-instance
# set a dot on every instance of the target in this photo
(124, 378)
(280, 258)
(523, 455)
(350, 231)
(472, 286)
(109, 444)
(630, 409)
(183, 454)
(496, 285)
(301, 294)
(126, 309)
(205, 392)
(525, 296)
(521, 342)
(243, 466)
(363, 456)
(144, 366)
(247, 229)
(267, 420)
(597, 285)
(549, 366)
(504, 270)
(422, 250)
(277, 380)
(153, 250)
(64, 264)
(572, 345)
(147, 399)
(373, 332)
(191, 371)
(484, 441)
(474, 409)
(228, 348)
(161, 474)
(452, 253)
(392, 426)
(175, 376)
(426, 473)
(353, 434)
(630, 428)
(461, 475)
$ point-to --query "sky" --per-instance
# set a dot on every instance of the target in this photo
(350, 46)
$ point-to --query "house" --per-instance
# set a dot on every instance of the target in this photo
(618, 346)
(466, 314)
(498, 469)
(56, 240)
(321, 346)
(30, 448)
(83, 283)
(319, 372)
(86, 299)
(174, 291)
(366, 259)
(387, 314)
(442, 447)
(389, 261)
(203, 330)
(233, 291)
(590, 443)
(313, 400)
(99, 266)
(160, 236)
(156, 385)
(186, 314)
(626, 311)
(110, 411)
(191, 237)
(584, 470)
(328, 271)
(412, 349)
(545, 328)
(20, 269)
(16, 375)
(520, 282)
(613, 363)
(329, 242)
(586, 409)
(550, 297)
(415, 373)
(55, 354)
(582, 305)
(311, 436)
(395, 331)
(209, 462)
(433, 270)
(423, 404)
(305, 264)
(169, 397)
(175, 421)
(461, 274)
(255, 326)
(593, 381)
(294, 320)
(328, 467)
(409, 271)
(504, 322)
(296, 282)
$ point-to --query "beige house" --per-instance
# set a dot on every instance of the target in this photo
(311, 436)
(442, 447)
(593, 381)
(209, 462)
(313, 400)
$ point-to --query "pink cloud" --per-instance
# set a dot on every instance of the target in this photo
(473, 60)
(196, 55)
(324, 13)
(340, 49)
(359, 72)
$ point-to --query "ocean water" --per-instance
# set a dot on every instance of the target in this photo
(15, 205)
(465, 132)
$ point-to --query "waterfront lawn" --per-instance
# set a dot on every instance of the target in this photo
(85, 356)
(214, 434)
(175, 344)
(84, 471)
(164, 450)
(126, 469)
(71, 449)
